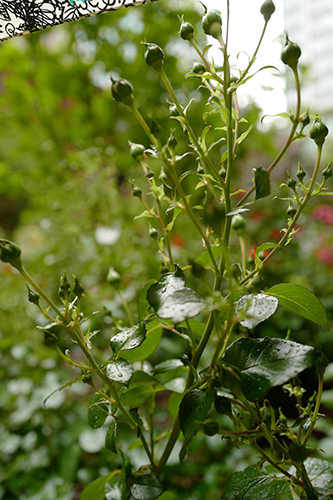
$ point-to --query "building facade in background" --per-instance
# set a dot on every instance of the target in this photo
(310, 24)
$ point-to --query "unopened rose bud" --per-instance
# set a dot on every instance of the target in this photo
(318, 132)
(122, 91)
(154, 56)
(10, 253)
(212, 24)
(290, 54)
(267, 9)
(186, 31)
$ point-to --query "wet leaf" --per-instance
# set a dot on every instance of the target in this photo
(147, 487)
(120, 370)
(97, 414)
(320, 473)
(266, 363)
(148, 346)
(141, 388)
(301, 301)
(181, 305)
(110, 438)
(128, 338)
(251, 485)
(166, 285)
(255, 309)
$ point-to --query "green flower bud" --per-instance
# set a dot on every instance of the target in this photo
(238, 224)
(122, 91)
(153, 232)
(297, 452)
(113, 278)
(321, 363)
(154, 56)
(304, 119)
(136, 191)
(173, 111)
(33, 297)
(10, 252)
(149, 174)
(210, 427)
(291, 182)
(300, 173)
(318, 131)
(77, 288)
(172, 141)
(136, 150)
(262, 255)
(163, 176)
(212, 24)
(186, 31)
(87, 378)
(64, 287)
(50, 339)
(267, 9)
(198, 68)
(327, 172)
(290, 54)
(223, 173)
(291, 210)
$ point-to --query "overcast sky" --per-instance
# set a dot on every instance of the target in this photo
(246, 23)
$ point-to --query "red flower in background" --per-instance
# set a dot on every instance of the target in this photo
(325, 254)
(323, 213)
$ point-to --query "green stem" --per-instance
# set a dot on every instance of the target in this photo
(276, 466)
(300, 209)
(245, 72)
(243, 254)
(316, 410)
(288, 142)
(209, 165)
(125, 306)
(144, 125)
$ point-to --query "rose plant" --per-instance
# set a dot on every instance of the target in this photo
(225, 373)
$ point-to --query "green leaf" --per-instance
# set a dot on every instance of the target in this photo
(119, 370)
(301, 301)
(147, 348)
(193, 410)
(173, 404)
(320, 473)
(96, 489)
(266, 363)
(244, 135)
(181, 305)
(262, 183)
(141, 388)
(97, 414)
(166, 285)
(128, 338)
(253, 309)
(143, 302)
(110, 438)
(250, 484)
(147, 487)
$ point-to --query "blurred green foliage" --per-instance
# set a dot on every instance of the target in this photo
(65, 197)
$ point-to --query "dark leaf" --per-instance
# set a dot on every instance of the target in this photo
(166, 285)
(110, 438)
(148, 346)
(268, 362)
(250, 484)
(97, 414)
(147, 487)
(262, 183)
(193, 410)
